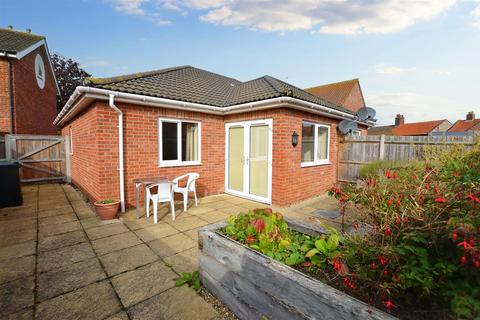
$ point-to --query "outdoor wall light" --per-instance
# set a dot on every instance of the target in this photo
(294, 138)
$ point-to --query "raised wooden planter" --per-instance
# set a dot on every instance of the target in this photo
(253, 285)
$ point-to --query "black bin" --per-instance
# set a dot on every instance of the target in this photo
(10, 192)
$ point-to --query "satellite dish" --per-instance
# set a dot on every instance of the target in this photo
(366, 113)
(347, 126)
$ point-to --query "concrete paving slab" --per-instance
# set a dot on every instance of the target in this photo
(16, 295)
(171, 305)
(171, 245)
(156, 231)
(58, 258)
(106, 231)
(187, 223)
(61, 240)
(143, 283)
(95, 301)
(13, 269)
(71, 277)
(127, 259)
(17, 250)
(116, 242)
(185, 261)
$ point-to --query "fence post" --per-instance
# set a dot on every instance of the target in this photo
(381, 149)
(68, 177)
(8, 146)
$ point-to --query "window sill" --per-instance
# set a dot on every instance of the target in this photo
(179, 164)
(314, 164)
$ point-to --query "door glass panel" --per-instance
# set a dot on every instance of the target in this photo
(235, 156)
(259, 160)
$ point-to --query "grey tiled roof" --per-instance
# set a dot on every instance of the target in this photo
(15, 41)
(191, 84)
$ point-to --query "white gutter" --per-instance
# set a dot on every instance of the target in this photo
(112, 105)
(97, 93)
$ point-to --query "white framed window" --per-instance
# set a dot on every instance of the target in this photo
(355, 133)
(70, 140)
(315, 144)
(179, 142)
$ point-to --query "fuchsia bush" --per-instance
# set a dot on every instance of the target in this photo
(420, 238)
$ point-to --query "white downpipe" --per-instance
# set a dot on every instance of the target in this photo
(120, 149)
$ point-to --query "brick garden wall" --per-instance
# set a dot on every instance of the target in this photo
(95, 156)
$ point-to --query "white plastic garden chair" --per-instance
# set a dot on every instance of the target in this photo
(164, 194)
(190, 187)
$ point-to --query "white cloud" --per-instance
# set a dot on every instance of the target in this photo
(415, 107)
(476, 16)
(132, 7)
(323, 16)
(390, 70)
(163, 22)
(319, 16)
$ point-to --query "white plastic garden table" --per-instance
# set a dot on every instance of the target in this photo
(142, 183)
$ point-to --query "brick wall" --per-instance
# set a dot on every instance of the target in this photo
(35, 108)
(95, 154)
(4, 98)
(354, 101)
(94, 161)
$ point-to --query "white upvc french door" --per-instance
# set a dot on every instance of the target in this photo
(248, 159)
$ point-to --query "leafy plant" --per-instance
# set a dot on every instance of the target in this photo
(423, 232)
(106, 201)
(192, 279)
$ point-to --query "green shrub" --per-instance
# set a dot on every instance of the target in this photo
(372, 169)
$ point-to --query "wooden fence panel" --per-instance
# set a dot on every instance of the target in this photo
(356, 151)
(43, 158)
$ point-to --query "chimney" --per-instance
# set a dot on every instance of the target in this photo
(470, 116)
(29, 30)
(399, 120)
(10, 27)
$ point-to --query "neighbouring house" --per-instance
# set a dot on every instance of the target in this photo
(262, 139)
(347, 94)
(28, 88)
(400, 128)
(469, 125)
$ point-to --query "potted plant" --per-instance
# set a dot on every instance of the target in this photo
(107, 209)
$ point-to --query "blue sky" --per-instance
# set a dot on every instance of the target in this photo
(419, 58)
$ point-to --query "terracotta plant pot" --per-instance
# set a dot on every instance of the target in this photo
(106, 209)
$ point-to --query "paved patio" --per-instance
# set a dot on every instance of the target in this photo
(59, 261)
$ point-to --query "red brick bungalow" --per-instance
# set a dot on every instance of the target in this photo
(28, 88)
(237, 135)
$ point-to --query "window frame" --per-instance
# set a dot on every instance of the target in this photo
(70, 140)
(355, 133)
(178, 162)
(317, 162)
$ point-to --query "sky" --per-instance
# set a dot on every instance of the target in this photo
(420, 58)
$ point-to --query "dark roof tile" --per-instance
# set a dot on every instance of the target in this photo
(186, 83)
(15, 41)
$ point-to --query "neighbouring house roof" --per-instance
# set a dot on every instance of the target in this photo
(416, 128)
(464, 125)
(13, 41)
(379, 130)
(189, 84)
(17, 44)
(339, 93)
